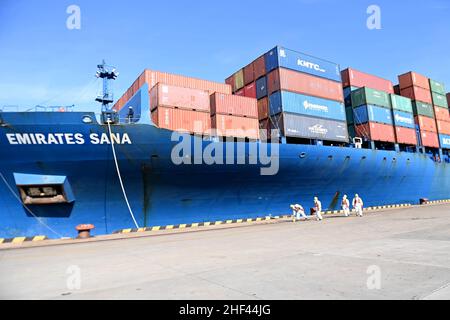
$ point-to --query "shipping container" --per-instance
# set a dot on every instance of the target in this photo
(376, 132)
(240, 93)
(443, 127)
(369, 96)
(371, 113)
(259, 67)
(448, 98)
(442, 114)
(404, 119)
(234, 105)
(349, 115)
(163, 95)
(429, 139)
(230, 82)
(250, 90)
(234, 126)
(294, 125)
(182, 120)
(239, 80)
(423, 109)
(263, 108)
(348, 95)
(444, 141)
(291, 102)
(418, 94)
(264, 126)
(154, 77)
(288, 80)
(261, 88)
(439, 100)
(286, 58)
(351, 131)
(411, 79)
(437, 87)
(406, 136)
(249, 74)
(401, 103)
(397, 89)
(425, 123)
(355, 78)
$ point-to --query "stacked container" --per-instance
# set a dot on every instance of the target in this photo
(441, 112)
(353, 80)
(403, 116)
(417, 88)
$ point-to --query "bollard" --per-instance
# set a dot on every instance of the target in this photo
(84, 231)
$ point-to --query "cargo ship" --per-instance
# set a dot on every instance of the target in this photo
(179, 150)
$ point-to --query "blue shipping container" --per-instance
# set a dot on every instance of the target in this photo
(282, 57)
(285, 101)
(261, 88)
(348, 95)
(366, 113)
(445, 141)
(404, 119)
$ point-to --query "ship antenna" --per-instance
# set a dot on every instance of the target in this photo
(107, 73)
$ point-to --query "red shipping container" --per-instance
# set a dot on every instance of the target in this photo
(413, 79)
(234, 105)
(284, 79)
(417, 93)
(263, 108)
(259, 67)
(250, 90)
(240, 93)
(153, 77)
(163, 95)
(230, 82)
(442, 114)
(397, 89)
(355, 78)
(249, 74)
(376, 132)
(429, 139)
(234, 126)
(425, 123)
(406, 136)
(182, 120)
(443, 127)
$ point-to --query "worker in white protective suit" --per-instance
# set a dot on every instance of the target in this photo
(345, 206)
(297, 212)
(358, 205)
(318, 209)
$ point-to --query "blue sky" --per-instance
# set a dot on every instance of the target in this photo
(43, 62)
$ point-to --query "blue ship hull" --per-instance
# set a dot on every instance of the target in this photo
(162, 193)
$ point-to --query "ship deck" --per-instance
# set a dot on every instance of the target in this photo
(267, 260)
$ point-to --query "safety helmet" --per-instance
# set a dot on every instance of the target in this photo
(356, 196)
(316, 199)
(345, 196)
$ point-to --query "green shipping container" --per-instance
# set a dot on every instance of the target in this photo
(401, 103)
(439, 100)
(239, 79)
(365, 96)
(351, 131)
(423, 109)
(349, 114)
(437, 87)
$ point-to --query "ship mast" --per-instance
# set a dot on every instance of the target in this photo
(107, 73)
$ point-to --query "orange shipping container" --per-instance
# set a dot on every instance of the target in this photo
(153, 77)
(263, 108)
(284, 79)
(429, 139)
(234, 105)
(413, 79)
(233, 126)
(442, 114)
(406, 136)
(425, 123)
(163, 95)
(443, 127)
(376, 132)
(417, 93)
(182, 120)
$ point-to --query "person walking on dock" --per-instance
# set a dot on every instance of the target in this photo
(358, 205)
(318, 209)
(345, 205)
(297, 212)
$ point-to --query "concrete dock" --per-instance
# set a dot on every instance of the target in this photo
(398, 254)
